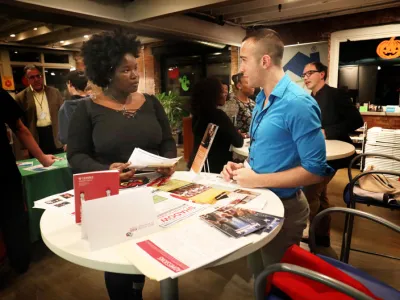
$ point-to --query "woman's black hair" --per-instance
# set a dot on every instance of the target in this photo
(205, 96)
(105, 51)
(236, 78)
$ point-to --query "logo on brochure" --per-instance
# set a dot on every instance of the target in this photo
(136, 228)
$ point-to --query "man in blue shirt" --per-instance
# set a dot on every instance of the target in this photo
(287, 148)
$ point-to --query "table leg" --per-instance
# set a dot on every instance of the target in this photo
(169, 289)
(255, 263)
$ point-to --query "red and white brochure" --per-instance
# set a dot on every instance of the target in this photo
(94, 185)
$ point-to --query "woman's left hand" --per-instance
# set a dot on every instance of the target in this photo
(166, 171)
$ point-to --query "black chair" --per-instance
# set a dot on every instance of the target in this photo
(351, 199)
(378, 288)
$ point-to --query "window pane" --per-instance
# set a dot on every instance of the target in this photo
(20, 81)
(23, 55)
(56, 78)
(56, 58)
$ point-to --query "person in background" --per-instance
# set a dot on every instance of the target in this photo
(207, 95)
(13, 217)
(76, 85)
(105, 129)
(339, 118)
(40, 105)
(230, 106)
(242, 93)
(287, 148)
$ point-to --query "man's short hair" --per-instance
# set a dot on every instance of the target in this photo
(270, 42)
(320, 68)
(78, 80)
(30, 67)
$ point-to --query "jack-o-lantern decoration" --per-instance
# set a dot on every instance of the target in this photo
(389, 49)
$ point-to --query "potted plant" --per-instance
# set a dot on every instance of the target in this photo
(173, 105)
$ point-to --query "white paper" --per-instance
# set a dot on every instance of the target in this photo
(62, 202)
(111, 220)
(173, 210)
(185, 248)
(141, 159)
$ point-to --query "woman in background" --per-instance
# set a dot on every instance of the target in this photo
(207, 95)
(106, 129)
(242, 93)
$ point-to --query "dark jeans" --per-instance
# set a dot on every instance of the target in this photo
(14, 224)
(46, 140)
(124, 286)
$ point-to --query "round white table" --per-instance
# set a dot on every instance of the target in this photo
(62, 236)
(334, 149)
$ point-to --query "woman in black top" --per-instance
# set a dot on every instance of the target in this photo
(207, 95)
(105, 130)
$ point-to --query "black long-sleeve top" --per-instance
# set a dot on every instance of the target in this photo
(226, 136)
(99, 136)
(339, 117)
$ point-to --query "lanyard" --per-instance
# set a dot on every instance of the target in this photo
(37, 100)
(253, 133)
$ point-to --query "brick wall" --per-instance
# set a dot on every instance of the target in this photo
(234, 60)
(146, 70)
(392, 122)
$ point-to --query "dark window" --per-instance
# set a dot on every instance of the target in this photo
(22, 55)
(56, 58)
(56, 78)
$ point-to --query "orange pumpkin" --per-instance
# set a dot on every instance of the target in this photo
(389, 49)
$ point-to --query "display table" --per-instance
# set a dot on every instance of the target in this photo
(38, 185)
(334, 149)
(63, 237)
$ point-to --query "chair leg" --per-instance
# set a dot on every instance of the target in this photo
(344, 237)
(349, 236)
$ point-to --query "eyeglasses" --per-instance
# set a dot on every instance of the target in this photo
(308, 73)
(38, 76)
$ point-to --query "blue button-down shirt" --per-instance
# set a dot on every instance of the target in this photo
(287, 134)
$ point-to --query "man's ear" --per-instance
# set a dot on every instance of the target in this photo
(265, 61)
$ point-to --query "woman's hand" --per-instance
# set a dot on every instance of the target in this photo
(125, 172)
(167, 171)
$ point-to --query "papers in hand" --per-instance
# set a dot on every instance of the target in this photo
(141, 159)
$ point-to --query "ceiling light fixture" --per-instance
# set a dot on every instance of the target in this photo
(12, 35)
(62, 42)
(35, 28)
(86, 36)
(16, 52)
(53, 74)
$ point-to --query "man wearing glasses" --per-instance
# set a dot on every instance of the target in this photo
(339, 117)
(40, 104)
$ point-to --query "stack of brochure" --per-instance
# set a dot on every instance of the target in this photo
(238, 221)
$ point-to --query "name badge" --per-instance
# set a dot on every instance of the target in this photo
(42, 115)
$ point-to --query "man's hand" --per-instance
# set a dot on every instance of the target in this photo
(323, 132)
(247, 178)
(228, 169)
(47, 160)
(121, 167)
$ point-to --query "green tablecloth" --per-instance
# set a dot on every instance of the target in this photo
(38, 185)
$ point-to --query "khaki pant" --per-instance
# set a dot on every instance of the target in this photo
(296, 216)
(317, 198)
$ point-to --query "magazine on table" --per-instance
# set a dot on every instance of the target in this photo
(238, 221)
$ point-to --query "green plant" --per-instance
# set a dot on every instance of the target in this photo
(173, 106)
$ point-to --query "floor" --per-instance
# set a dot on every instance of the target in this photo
(51, 277)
